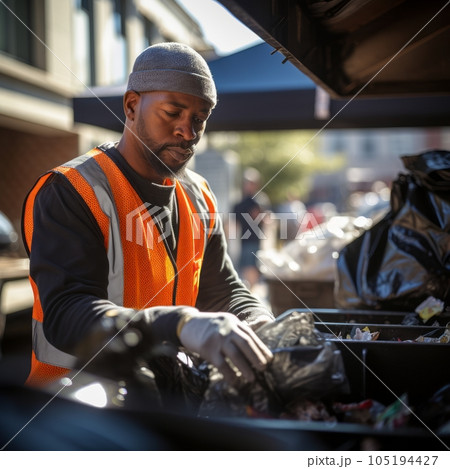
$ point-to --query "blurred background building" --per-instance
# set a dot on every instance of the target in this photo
(372, 161)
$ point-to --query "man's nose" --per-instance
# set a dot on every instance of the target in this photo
(186, 130)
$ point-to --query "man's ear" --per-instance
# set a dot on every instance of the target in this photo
(130, 100)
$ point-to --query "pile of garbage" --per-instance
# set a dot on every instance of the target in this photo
(305, 369)
(307, 382)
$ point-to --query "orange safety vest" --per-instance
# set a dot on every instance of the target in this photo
(141, 273)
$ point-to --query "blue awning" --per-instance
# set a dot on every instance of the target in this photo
(257, 69)
(257, 91)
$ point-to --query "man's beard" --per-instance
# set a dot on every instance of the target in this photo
(152, 151)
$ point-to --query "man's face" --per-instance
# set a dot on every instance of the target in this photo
(168, 127)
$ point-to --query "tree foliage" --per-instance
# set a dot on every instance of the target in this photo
(287, 160)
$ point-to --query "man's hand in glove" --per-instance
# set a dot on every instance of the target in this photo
(221, 338)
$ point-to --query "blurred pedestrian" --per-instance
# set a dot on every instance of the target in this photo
(251, 216)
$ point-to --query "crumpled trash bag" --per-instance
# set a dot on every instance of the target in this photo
(313, 255)
(405, 257)
(436, 411)
(305, 369)
(305, 366)
(396, 415)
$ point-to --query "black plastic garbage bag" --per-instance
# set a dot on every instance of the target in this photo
(404, 258)
(436, 411)
(305, 369)
(305, 366)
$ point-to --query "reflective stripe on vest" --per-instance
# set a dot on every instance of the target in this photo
(97, 179)
(141, 272)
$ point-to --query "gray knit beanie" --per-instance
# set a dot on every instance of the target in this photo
(171, 66)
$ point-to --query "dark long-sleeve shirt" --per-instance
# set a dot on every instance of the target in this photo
(69, 264)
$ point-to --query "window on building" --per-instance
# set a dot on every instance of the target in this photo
(368, 145)
(83, 44)
(117, 44)
(337, 142)
(151, 34)
(21, 24)
(119, 17)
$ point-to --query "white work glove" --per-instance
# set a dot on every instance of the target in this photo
(221, 338)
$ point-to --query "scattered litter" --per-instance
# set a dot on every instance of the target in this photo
(442, 339)
(364, 334)
(394, 416)
(429, 308)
